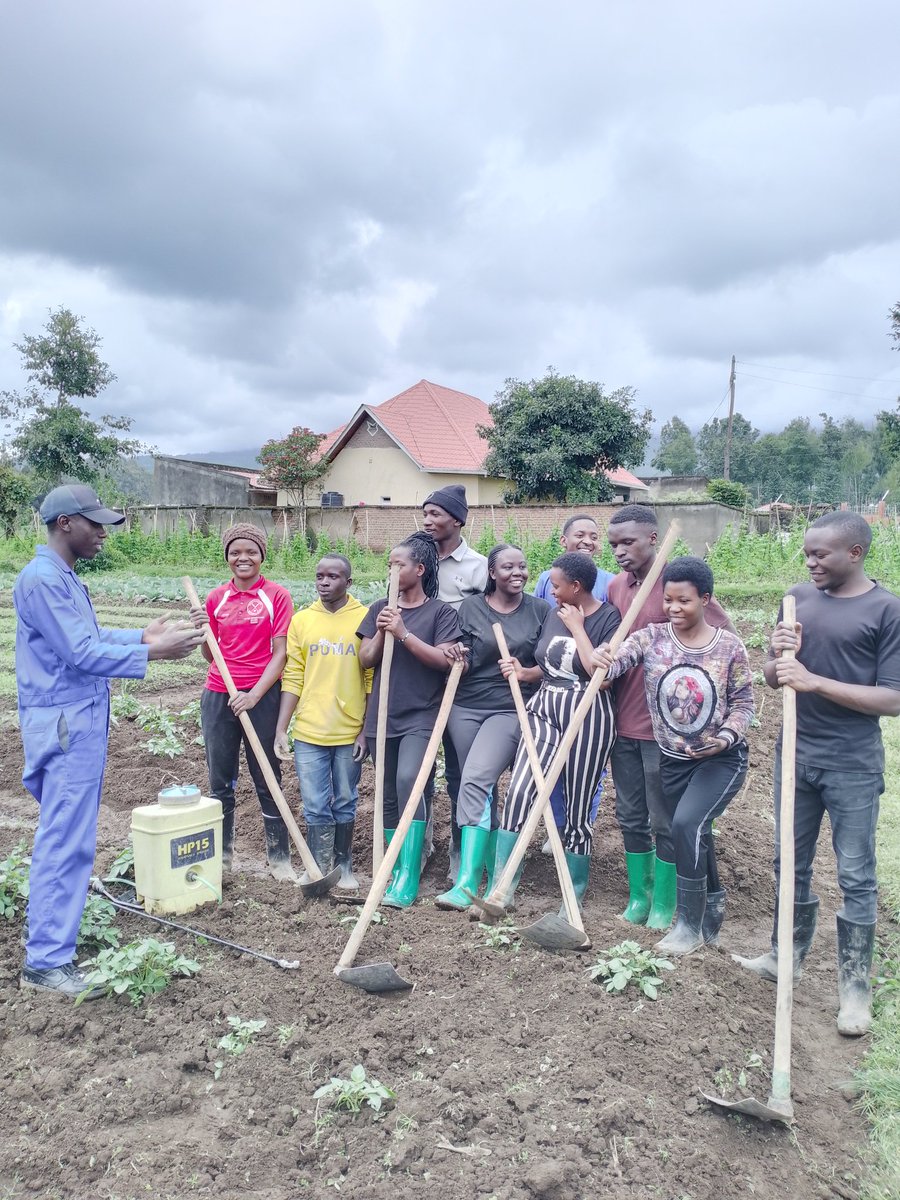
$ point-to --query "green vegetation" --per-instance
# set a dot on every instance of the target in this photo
(97, 930)
(351, 1094)
(137, 970)
(241, 1034)
(14, 882)
(879, 1076)
(628, 965)
(498, 937)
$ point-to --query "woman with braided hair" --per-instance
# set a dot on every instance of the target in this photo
(423, 628)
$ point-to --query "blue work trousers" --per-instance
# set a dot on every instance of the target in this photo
(328, 779)
(65, 754)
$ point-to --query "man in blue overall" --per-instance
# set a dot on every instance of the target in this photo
(64, 661)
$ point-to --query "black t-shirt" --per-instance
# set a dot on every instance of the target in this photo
(856, 640)
(556, 653)
(482, 687)
(415, 691)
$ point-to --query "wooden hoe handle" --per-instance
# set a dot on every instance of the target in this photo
(387, 656)
(501, 885)
(383, 874)
(781, 1054)
(312, 867)
(570, 900)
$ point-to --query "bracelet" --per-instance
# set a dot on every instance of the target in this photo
(405, 636)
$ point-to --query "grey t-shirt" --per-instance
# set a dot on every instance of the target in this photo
(856, 640)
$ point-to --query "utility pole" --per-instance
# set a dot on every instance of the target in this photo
(727, 468)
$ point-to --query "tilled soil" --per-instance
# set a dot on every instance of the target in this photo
(514, 1075)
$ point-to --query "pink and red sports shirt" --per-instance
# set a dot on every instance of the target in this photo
(245, 624)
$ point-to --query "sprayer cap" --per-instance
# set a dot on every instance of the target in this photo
(179, 796)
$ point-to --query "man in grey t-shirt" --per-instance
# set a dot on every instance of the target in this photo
(847, 676)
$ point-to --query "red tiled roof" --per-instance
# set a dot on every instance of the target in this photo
(437, 427)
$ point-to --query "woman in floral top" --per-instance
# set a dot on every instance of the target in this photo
(700, 696)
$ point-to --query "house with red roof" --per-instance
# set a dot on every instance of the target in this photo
(422, 439)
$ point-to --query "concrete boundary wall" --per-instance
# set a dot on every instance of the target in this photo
(379, 528)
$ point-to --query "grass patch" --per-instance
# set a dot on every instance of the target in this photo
(879, 1075)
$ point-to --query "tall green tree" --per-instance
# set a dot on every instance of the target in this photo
(53, 438)
(711, 449)
(799, 461)
(293, 465)
(554, 438)
(829, 478)
(677, 451)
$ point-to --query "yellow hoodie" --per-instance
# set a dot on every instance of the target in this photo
(324, 670)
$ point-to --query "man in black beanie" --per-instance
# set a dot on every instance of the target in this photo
(462, 572)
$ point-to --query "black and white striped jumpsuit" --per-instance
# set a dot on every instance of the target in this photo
(549, 714)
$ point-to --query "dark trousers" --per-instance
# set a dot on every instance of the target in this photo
(695, 793)
(851, 799)
(402, 759)
(224, 736)
(641, 812)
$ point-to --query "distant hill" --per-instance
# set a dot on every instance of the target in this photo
(225, 458)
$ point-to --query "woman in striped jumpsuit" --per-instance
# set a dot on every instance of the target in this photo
(568, 637)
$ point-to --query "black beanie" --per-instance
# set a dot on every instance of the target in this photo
(451, 499)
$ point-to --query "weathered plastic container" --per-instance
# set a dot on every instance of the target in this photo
(177, 851)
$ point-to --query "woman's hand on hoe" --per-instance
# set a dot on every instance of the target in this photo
(511, 666)
(389, 620)
(456, 652)
(243, 702)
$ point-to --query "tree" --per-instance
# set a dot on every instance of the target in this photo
(677, 451)
(54, 438)
(799, 461)
(830, 479)
(293, 465)
(894, 316)
(554, 438)
(15, 495)
(711, 449)
(726, 491)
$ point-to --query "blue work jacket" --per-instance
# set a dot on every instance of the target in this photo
(62, 654)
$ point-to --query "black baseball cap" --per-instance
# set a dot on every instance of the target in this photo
(77, 500)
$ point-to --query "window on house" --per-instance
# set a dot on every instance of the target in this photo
(385, 499)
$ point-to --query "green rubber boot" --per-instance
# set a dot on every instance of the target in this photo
(489, 857)
(405, 884)
(662, 908)
(579, 869)
(506, 840)
(640, 886)
(473, 849)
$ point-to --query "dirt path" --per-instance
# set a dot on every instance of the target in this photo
(515, 1077)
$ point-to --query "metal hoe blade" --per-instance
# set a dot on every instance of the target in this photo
(320, 887)
(553, 932)
(374, 977)
(490, 910)
(774, 1110)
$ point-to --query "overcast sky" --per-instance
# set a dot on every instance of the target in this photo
(272, 212)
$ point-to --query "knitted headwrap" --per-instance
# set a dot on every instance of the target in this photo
(245, 530)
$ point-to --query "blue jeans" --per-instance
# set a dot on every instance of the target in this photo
(328, 779)
(851, 800)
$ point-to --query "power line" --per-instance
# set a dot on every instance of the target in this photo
(810, 388)
(800, 371)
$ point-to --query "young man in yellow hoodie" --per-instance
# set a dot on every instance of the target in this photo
(323, 702)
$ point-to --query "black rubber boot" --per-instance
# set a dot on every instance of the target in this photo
(713, 917)
(278, 851)
(228, 840)
(766, 965)
(855, 946)
(686, 935)
(320, 839)
(343, 840)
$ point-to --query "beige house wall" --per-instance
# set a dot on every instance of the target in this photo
(381, 475)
